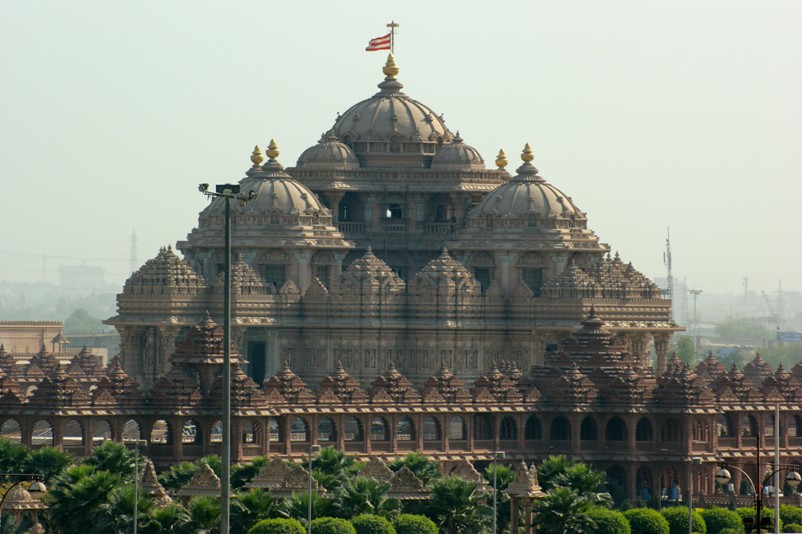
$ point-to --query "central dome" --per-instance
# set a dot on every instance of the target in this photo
(391, 122)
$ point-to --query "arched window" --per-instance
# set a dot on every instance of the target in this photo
(533, 428)
(644, 432)
(11, 431)
(748, 426)
(456, 428)
(326, 431)
(588, 431)
(431, 429)
(191, 433)
(101, 431)
(73, 433)
(353, 429)
(161, 433)
(299, 430)
(379, 430)
(405, 431)
(616, 430)
(671, 431)
(482, 427)
(273, 430)
(508, 430)
(724, 426)
(217, 432)
(560, 429)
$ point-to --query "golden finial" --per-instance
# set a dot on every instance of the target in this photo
(501, 159)
(527, 155)
(257, 157)
(272, 150)
(390, 68)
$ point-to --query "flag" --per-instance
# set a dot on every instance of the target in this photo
(379, 43)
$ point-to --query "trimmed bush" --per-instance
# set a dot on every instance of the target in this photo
(414, 524)
(718, 519)
(792, 527)
(332, 525)
(790, 514)
(677, 517)
(609, 521)
(372, 524)
(277, 526)
(646, 521)
(748, 511)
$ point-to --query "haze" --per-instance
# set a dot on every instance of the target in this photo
(648, 114)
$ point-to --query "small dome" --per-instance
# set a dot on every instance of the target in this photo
(458, 155)
(527, 194)
(328, 153)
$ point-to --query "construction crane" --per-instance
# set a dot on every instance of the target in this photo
(669, 276)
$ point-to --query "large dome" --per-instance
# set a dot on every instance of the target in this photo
(328, 153)
(458, 155)
(390, 113)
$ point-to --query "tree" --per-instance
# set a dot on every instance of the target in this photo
(372, 524)
(298, 505)
(751, 329)
(242, 473)
(504, 475)
(360, 495)
(80, 323)
(117, 513)
(47, 461)
(76, 497)
(423, 468)
(414, 524)
(788, 514)
(609, 521)
(331, 467)
(717, 519)
(646, 521)
(677, 517)
(550, 468)
(564, 510)
(456, 507)
(277, 526)
(204, 513)
(585, 481)
(172, 518)
(250, 507)
(115, 458)
(12, 456)
(685, 349)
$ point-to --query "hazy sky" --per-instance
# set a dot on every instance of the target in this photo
(649, 114)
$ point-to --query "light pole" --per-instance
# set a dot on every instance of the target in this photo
(695, 293)
(37, 486)
(691, 463)
(137, 443)
(313, 449)
(792, 479)
(496, 455)
(226, 192)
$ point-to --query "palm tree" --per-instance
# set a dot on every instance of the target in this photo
(252, 506)
(204, 513)
(243, 473)
(360, 495)
(331, 466)
(76, 497)
(115, 458)
(297, 506)
(47, 461)
(117, 513)
(12, 456)
(504, 475)
(550, 468)
(424, 468)
(586, 481)
(563, 510)
(456, 507)
(172, 518)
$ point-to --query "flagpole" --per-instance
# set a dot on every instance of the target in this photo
(392, 25)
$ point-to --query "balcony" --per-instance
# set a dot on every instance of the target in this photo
(352, 228)
(443, 229)
(394, 226)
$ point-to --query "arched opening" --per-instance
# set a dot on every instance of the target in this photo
(431, 429)
(299, 431)
(671, 431)
(643, 479)
(560, 429)
(379, 429)
(251, 432)
(588, 430)
(274, 430)
(131, 431)
(724, 426)
(616, 430)
(161, 433)
(617, 484)
(405, 430)
(482, 427)
(644, 431)
(669, 485)
(73, 435)
(748, 426)
(191, 433)
(795, 428)
(42, 434)
(326, 431)
(353, 429)
(533, 430)
(508, 429)
(11, 431)
(216, 435)
(456, 429)
(101, 431)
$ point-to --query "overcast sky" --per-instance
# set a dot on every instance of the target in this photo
(649, 114)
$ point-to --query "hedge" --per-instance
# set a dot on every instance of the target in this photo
(332, 525)
(749, 511)
(790, 514)
(414, 524)
(718, 519)
(277, 526)
(792, 527)
(609, 521)
(677, 517)
(372, 524)
(646, 521)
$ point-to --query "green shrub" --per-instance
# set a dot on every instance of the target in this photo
(749, 512)
(332, 525)
(277, 526)
(414, 524)
(677, 517)
(609, 521)
(792, 527)
(646, 521)
(729, 530)
(718, 519)
(372, 524)
(790, 514)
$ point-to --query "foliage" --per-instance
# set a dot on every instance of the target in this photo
(372, 524)
(563, 510)
(677, 517)
(609, 521)
(360, 495)
(80, 323)
(250, 507)
(177, 476)
(504, 475)
(743, 328)
(791, 514)
(585, 481)
(765, 513)
(332, 525)
(685, 349)
(76, 497)
(414, 524)
(789, 354)
(550, 468)
(718, 519)
(423, 468)
(204, 513)
(792, 527)
(12, 456)
(161, 520)
(298, 505)
(242, 473)
(117, 513)
(47, 461)
(115, 458)
(646, 521)
(456, 506)
(277, 526)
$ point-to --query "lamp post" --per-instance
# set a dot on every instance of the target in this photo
(793, 479)
(313, 449)
(496, 455)
(37, 487)
(227, 192)
(695, 293)
(137, 443)
(691, 463)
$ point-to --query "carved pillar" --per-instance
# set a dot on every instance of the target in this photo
(337, 268)
(88, 432)
(236, 442)
(661, 349)
(529, 504)
(496, 432)
(371, 217)
(334, 198)
(366, 423)
(576, 428)
(419, 432)
(393, 437)
(632, 485)
(176, 427)
(504, 276)
(632, 425)
(444, 446)
(514, 519)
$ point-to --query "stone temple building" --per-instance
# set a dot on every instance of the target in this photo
(392, 293)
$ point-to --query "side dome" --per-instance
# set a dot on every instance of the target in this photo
(328, 153)
(458, 155)
(527, 196)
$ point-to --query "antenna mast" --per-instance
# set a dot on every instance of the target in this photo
(670, 276)
(132, 258)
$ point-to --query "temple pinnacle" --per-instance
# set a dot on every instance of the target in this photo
(501, 159)
(257, 157)
(272, 150)
(390, 68)
(527, 155)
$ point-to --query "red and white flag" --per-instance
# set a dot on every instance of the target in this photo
(379, 43)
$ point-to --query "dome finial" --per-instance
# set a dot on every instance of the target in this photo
(527, 155)
(257, 157)
(272, 150)
(390, 68)
(501, 159)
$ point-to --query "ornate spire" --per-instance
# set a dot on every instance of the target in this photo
(272, 150)
(527, 171)
(501, 159)
(390, 68)
(527, 155)
(257, 157)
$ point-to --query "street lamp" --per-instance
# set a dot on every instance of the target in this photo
(313, 449)
(137, 443)
(496, 455)
(792, 478)
(227, 192)
(691, 463)
(37, 486)
(695, 293)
